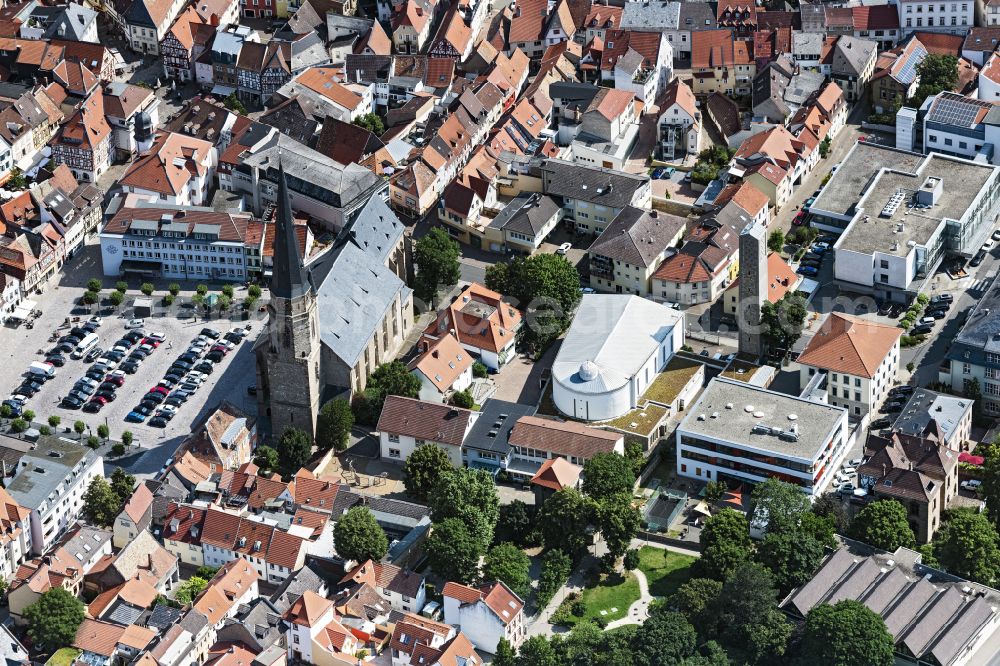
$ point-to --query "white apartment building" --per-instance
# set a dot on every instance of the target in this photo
(406, 424)
(743, 433)
(50, 482)
(860, 357)
(485, 614)
(924, 15)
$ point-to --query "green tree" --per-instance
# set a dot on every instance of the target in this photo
(556, 567)
(53, 620)
(103, 431)
(201, 289)
(254, 290)
(664, 639)
(168, 299)
(358, 536)
(715, 491)
(206, 572)
(17, 180)
(631, 560)
(79, 427)
(824, 147)
(93, 441)
(453, 551)
(966, 546)
(783, 321)
(147, 288)
(618, 519)
(479, 370)
(750, 623)
(6, 411)
(121, 286)
(505, 655)
(697, 599)
(463, 399)
(29, 415)
(883, 524)
(371, 122)
(791, 557)
(776, 241)
(100, 503)
(777, 506)
(94, 284)
(228, 290)
(294, 451)
(423, 468)
(266, 458)
(436, 259)
(937, 72)
(516, 524)
(471, 496)
(174, 288)
(44, 430)
(122, 485)
(829, 506)
(333, 426)
(392, 378)
(563, 521)
(116, 298)
(189, 590)
(224, 303)
(127, 438)
(845, 634)
(18, 425)
(606, 475)
(725, 542)
(990, 489)
(91, 297)
(508, 563)
(197, 300)
(233, 103)
(54, 421)
(974, 392)
(545, 286)
(537, 651)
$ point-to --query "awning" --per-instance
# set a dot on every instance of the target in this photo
(223, 91)
(23, 311)
(702, 508)
(808, 286)
(136, 266)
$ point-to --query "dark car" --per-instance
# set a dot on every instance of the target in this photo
(883, 422)
(71, 402)
(92, 355)
(26, 389)
(173, 400)
(117, 380)
(69, 340)
(154, 397)
(107, 386)
(16, 407)
(214, 356)
(113, 355)
(140, 353)
(902, 390)
(978, 259)
(891, 407)
(884, 309)
(76, 330)
(188, 357)
(181, 394)
(93, 406)
(109, 396)
(174, 377)
(189, 388)
(923, 329)
(937, 314)
(130, 367)
(232, 337)
(210, 333)
(184, 363)
(62, 348)
(83, 388)
(144, 409)
(157, 422)
(58, 360)
(134, 336)
(205, 367)
(167, 383)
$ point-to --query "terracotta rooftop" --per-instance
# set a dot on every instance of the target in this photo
(850, 345)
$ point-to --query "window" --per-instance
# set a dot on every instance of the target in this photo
(394, 439)
(947, 141)
(857, 396)
(857, 381)
(393, 453)
(884, 263)
(967, 369)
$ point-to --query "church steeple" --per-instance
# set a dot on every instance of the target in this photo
(289, 278)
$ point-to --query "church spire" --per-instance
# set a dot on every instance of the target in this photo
(289, 279)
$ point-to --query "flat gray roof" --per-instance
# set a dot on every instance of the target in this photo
(853, 176)
(924, 405)
(731, 409)
(43, 469)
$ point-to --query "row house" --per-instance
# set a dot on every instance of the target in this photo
(638, 62)
(84, 142)
(29, 257)
(895, 78)
(98, 58)
(235, 584)
(411, 25)
(879, 23)
(11, 296)
(486, 614)
(73, 208)
(30, 60)
(454, 39)
(721, 63)
(739, 17)
(528, 28)
(183, 45)
(261, 70)
(219, 13)
(679, 125)
(128, 108)
(147, 21)
(951, 17)
(272, 552)
(27, 124)
(852, 65)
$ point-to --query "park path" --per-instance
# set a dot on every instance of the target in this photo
(638, 612)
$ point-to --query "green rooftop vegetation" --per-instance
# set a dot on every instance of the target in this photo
(669, 383)
(640, 421)
(64, 657)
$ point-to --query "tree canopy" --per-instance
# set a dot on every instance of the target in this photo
(265, 458)
(777, 506)
(54, 619)
(749, 622)
(100, 503)
(990, 489)
(358, 536)
(422, 469)
(371, 122)
(436, 258)
(122, 485)
(783, 321)
(563, 521)
(845, 634)
(938, 72)
(392, 378)
(333, 425)
(607, 474)
(470, 496)
(618, 520)
(726, 544)
(508, 563)
(545, 286)
(453, 551)
(294, 451)
(966, 545)
(883, 524)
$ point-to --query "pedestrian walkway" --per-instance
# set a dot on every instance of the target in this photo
(638, 612)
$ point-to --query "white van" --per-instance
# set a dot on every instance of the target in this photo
(89, 342)
(43, 370)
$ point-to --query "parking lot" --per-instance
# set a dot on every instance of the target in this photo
(228, 381)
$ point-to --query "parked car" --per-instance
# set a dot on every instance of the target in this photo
(812, 256)
(154, 396)
(856, 462)
(135, 417)
(820, 247)
(92, 355)
(205, 367)
(214, 356)
(152, 342)
(891, 407)
(562, 249)
(808, 203)
(846, 489)
(158, 336)
(937, 314)
(71, 402)
(902, 390)
(130, 367)
(809, 271)
(157, 422)
(657, 174)
(210, 333)
(848, 470)
(57, 360)
(16, 406)
(943, 298)
(988, 245)
(800, 218)
(134, 324)
(971, 484)
(93, 406)
(108, 396)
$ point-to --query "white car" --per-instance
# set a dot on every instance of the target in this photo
(168, 409)
(972, 484)
(856, 462)
(156, 335)
(848, 471)
(988, 245)
(195, 375)
(930, 321)
(846, 489)
(821, 246)
(134, 323)
(996, 235)
(117, 373)
(97, 321)
(564, 248)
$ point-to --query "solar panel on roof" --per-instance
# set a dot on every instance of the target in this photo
(951, 111)
(909, 69)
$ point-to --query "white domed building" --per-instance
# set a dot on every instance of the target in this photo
(614, 349)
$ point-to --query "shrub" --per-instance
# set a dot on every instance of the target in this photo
(228, 290)
(93, 441)
(18, 425)
(479, 370)
(923, 299)
(118, 449)
(44, 430)
(254, 290)
(463, 399)
(168, 299)
(147, 288)
(174, 288)
(121, 286)
(202, 289)
(578, 608)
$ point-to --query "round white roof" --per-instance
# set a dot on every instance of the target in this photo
(589, 371)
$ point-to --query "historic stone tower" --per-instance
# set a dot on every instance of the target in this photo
(288, 356)
(753, 289)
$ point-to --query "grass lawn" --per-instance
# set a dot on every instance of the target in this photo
(668, 384)
(63, 657)
(665, 571)
(612, 592)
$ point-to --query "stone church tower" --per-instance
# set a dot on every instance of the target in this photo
(753, 289)
(288, 356)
